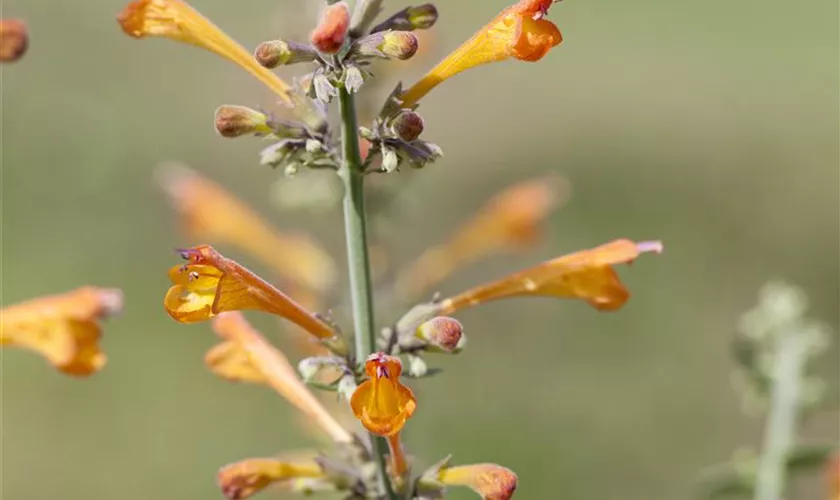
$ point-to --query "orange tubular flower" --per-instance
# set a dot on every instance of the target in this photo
(586, 275)
(491, 481)
(210, 213)
(519, 31)
(62, 328)
(210, 284)
(510, 220)
(382, 403)
(178, 21)
(242, 479)
(265, 364)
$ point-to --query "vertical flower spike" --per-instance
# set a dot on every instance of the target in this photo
(14, 40)
(329, 35)
(510, 220)
(242, 479)
(178, 21)
(586, 275)
(519, 31)
(491, 481)
(276, 370)
(62, 328)
(382, 403)
(210, 284)
(209, 213)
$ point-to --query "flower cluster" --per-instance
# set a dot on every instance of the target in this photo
(371, 377)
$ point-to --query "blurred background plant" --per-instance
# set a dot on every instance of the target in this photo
(775, 348)
(721, 139)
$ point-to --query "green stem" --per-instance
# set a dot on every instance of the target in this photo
(361, 295)
(780, 431)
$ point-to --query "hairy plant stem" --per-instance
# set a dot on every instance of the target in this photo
(361, 296)
(780, 430)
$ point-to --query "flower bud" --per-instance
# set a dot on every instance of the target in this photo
(442, 332)
(234, 121)
(388, 45)
(420, 17)
(275, 53)
(14, 39)
(407, 125)
(329, 35)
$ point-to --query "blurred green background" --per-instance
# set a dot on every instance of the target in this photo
(710, 125)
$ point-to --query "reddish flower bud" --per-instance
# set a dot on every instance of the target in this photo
(329, 35)
(14, 39)
(443, 332)
(407, 125)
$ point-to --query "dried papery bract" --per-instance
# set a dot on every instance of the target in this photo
(14, 40)
(63, 328)
(520, 31)
(208, 212)
(243, 479)
(278, 372)
(210, 284)
(382, 403)
(586, 275)
(178, 21)
(511, 220)
(491, 481)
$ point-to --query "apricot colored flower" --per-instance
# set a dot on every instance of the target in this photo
(587, 275)
(230, 361)
(208, 212)
(329, 35)
(382, 403)
(491, 481)
(210, 284)
(14, 39)
(63, 328)
(510, 220)
(520, 31)
(255, 360)
(178, 21)
(242, 479)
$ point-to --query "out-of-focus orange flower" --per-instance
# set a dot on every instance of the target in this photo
(63, 328)
(210, 213)
(331, 31)
(178, 21)
(242, 479)
(510, 220)
(266, 364)
(382, 403)
(491, 481)
(210, 284)
(833, 475)
(586, 275)
(14, 39)
(230, 361)
(519, 31)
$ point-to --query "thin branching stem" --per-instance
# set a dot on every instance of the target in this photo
(361, 295)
